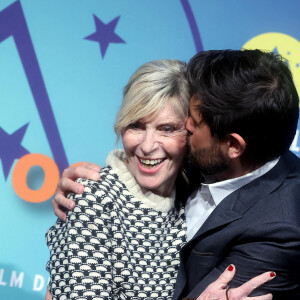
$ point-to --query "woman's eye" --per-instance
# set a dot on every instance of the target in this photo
(168, 128)
(136, 125)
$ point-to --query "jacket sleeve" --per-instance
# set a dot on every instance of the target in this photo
(270, 247)
(81, 262)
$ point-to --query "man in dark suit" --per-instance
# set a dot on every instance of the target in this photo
(243, 117)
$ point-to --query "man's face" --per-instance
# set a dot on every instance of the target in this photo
(206, 150)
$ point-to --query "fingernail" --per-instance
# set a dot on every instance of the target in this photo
(71, 205)
(230, 268)
(272, 274)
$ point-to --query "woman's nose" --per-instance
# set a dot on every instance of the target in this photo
(190, 125)
(149, 142)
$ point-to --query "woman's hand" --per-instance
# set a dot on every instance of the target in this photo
(219, 289)
(67, 184)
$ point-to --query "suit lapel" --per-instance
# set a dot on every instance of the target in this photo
(222, 215)
(236, 204)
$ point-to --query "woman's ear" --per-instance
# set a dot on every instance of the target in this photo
(236, 145)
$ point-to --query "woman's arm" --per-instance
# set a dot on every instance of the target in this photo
(81, 248)
(48, 295)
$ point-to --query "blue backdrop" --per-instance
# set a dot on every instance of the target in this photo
(63, 65)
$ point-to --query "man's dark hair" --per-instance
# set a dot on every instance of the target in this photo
(248, 92)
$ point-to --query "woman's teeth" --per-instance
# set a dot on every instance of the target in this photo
(150, 163)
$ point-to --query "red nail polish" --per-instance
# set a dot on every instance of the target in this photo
(272, 274)
(230, 268)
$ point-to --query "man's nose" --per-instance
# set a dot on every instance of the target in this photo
(190, 126)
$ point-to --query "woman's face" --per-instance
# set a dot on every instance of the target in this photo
(155, 149)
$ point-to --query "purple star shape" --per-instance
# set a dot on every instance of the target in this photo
(105, 34)
(11, 148)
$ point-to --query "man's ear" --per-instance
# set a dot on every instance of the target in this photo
(236, 145)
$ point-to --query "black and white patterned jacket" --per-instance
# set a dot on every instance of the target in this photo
(119, 242)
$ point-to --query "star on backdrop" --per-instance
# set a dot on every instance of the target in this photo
(105, 34)
(11, 148)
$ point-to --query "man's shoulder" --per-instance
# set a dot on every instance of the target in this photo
(291, 159)
(289, 163)
(288, 166)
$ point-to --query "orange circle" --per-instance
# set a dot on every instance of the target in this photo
(19, 177)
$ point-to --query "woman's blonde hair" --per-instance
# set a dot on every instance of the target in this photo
(150, 88)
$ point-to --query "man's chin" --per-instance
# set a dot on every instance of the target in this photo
(207, 164)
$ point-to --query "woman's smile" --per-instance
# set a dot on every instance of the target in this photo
(150, 165)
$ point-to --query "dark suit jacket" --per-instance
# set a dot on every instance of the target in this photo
(256, 228)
